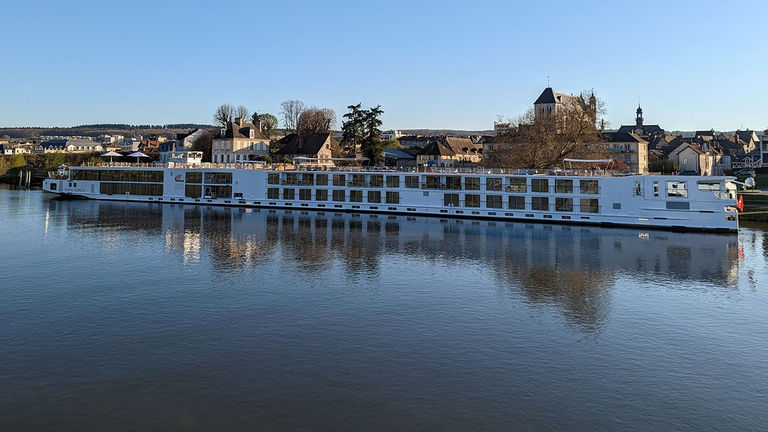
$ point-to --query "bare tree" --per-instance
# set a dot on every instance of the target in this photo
(544, 140)
(223, 114)
(317, 120)
(242, 112)
(290, 111)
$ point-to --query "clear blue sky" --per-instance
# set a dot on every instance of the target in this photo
(442, 64)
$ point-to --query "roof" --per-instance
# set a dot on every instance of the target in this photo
(306, 144)
(450, 146)
(397, 154)
(237, 130)
(549, 96)
(621, 137)
(645, 129)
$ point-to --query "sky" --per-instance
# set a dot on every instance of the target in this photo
(429, 64)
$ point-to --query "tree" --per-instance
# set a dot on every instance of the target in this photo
(544, 140)
(242, 112)
(317, 120)
(353, 129)
(372, 145)
(664, 166)
(290, 111)
(392, 144)
(224, 114)
(204, 144)
(268, 124)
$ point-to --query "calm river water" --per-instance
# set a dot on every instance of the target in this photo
(119, 316)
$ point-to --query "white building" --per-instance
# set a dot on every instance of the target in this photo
(391, 134)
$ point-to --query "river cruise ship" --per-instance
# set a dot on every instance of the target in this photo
(563, 196)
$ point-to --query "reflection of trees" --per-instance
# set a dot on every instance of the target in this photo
(570, 267)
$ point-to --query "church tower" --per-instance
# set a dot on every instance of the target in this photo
(639, 118)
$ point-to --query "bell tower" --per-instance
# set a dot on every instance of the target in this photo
(639, 118)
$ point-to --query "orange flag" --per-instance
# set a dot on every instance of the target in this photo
(740, 204)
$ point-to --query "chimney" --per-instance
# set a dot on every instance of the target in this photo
(259, 125)
(239, 121)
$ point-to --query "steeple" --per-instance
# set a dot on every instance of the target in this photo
(639, 118)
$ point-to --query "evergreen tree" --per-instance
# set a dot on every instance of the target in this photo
(353, 129)
(372, 145)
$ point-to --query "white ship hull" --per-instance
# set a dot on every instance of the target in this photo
(666, 202)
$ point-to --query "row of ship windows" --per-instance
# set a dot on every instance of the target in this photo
(586, 205)
(513, 184)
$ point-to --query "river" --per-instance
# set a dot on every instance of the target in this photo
(126, 316)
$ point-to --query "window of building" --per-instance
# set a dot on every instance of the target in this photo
(517, 202)
(305, 194)
(493, 183)
(374, 196)
(393, 181)
(288, 194)
(412, 182)
(564, 204)
(339, 195)
(471, 200)
(493, 201)
(540, 203)
(588, 205)
(563, 186)
(356, 196)
(321, 194)
(472, 183)
(540, 185)
(393, 197)
(451, 200)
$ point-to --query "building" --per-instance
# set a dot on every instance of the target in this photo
(240, 142)
(559, 105)
(644, 131)
(764, 148)
(445, 151)
(68, 145)
(391, 134)
(400, 158)
(629, 148)
(306, 145)
(690, 158)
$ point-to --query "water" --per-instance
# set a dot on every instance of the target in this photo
(117, 316)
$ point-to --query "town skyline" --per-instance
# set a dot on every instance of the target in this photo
(435, 65)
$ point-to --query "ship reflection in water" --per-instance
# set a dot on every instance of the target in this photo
(572, 268)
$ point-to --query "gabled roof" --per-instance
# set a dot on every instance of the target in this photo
(305, 144)
(622, 137)
(397, 154)
(546, 97)
(450, 146)
(237, 130)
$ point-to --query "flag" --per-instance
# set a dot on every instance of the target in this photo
(740, 204)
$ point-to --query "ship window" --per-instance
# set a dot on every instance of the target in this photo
(376, 180)
(291, 178)
(356, 196)
(540, 203)
(471, 200)
(563, 186)
(540, 185)
(193, 191)
(638, 188)
(472, 183)
(358, 180)
(588, 187)
(564, 204)
(493, 201)
(305, 194)
(588, 205)
(339, 194)
(517, 202)
(393, 198)
(677, 189)
(493, 183)
(412, 182)
(655, 188)
(321, 179)
(433, 182)
(273, 193)
(374, 196)
(321, 194)
(711, 186)
(393, 181)
(288, 194)
(517, 184)
(678, 205)
(451, 200)
(307, 179)
(339, 180)
(196, 177)
(218, 177)
(617, 206)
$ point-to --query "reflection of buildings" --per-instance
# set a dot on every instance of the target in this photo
(572, 268)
